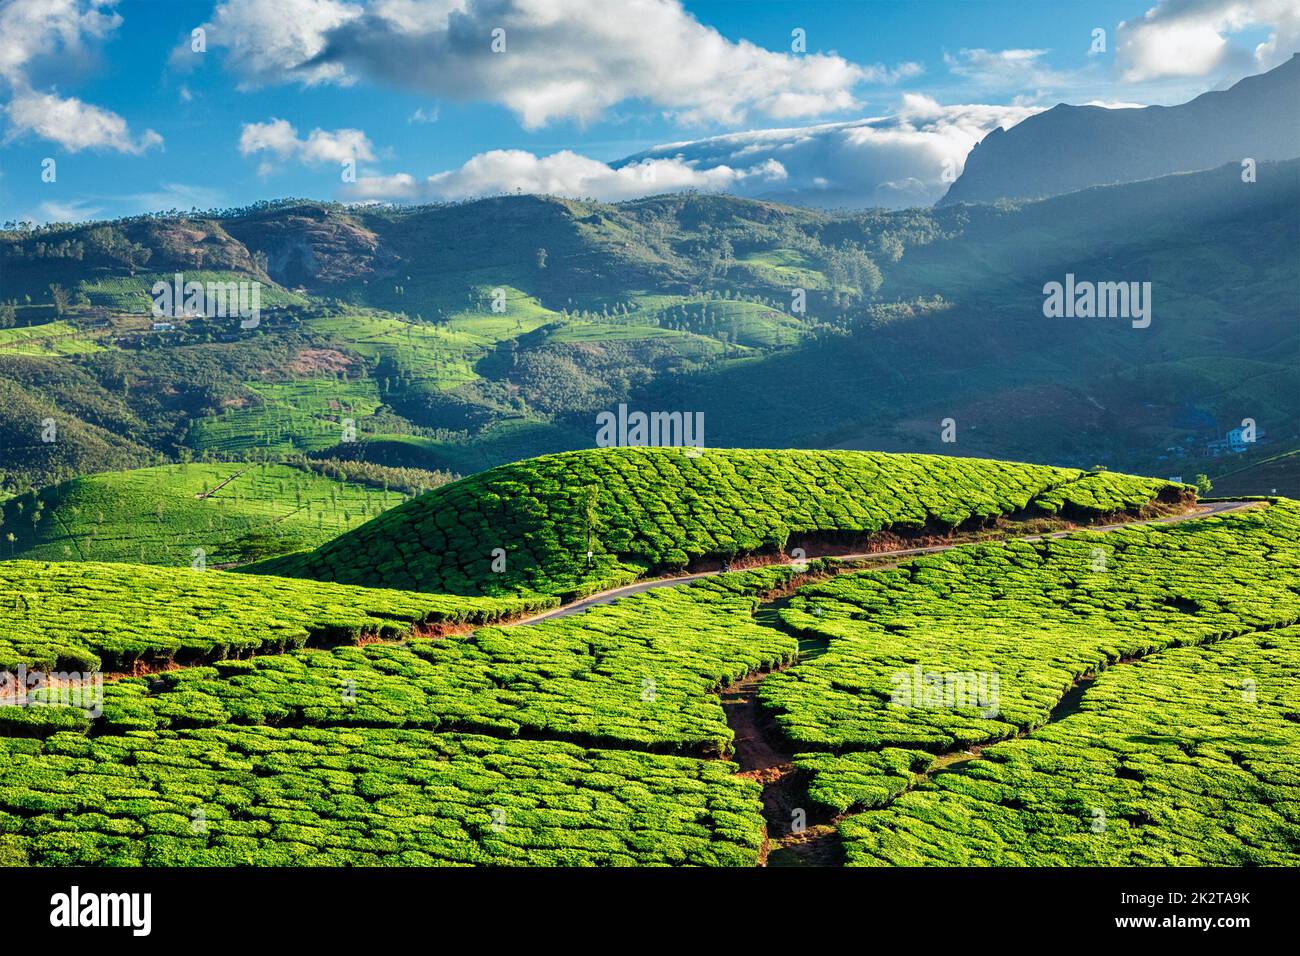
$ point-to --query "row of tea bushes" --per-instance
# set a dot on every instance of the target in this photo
(528, 526)
(1185, 758)
(636, 673)
(259, 796)
(87, 616)
(980, 642)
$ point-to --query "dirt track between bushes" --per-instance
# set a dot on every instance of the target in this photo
(613, 594)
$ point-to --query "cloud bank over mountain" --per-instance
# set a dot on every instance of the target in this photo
(905, 159)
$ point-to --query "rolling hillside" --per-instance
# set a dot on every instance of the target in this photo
(185, 514)
(463, 336)
(1146, 677)
(582, 521)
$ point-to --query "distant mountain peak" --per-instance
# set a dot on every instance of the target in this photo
(1068, 147)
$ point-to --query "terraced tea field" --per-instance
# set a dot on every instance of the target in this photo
(1130, 692)
(87, 616)
(1186, 758)
(267, 797)
(582, 521)
(229, 512)
(282, 418)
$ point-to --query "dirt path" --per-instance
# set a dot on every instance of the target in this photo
(208, 494)
(796, 834)
(626, 590)
(799, 833)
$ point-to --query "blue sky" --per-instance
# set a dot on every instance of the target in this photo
(883, 96)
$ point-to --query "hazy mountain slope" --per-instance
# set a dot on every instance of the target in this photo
(388, 319)
(1223, 340)
(1068, 147)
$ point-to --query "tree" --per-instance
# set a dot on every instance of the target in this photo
(8, 315)
(541, 257)
(891, 247)
(1203, 484)
(60, 296)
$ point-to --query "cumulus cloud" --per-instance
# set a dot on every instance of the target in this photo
(280, 138)
(1180, 38)
(894, 161)
(569, 60)
(266, 42)
(32, 30)
(74, 125)
(56, 35)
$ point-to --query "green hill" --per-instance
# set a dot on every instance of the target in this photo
(1153, 691)
(529, 526)
(231, 513)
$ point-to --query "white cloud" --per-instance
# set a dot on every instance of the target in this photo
(422, 115)
(1179, 38)
(562, 60)
(55, 35)
(1002, 69)
(34, 29)
(268, 41)
(897, 160)
(561, 174)
(74, 125)
(1111, 105)
(280, 138)
(55, 211)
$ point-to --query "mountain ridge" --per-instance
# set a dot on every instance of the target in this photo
(1068, 148)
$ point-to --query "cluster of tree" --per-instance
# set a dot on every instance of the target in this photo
(849, 266)
(411, 481)
(114, 246)
(40, 249)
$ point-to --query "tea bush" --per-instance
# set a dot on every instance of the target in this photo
(1035, 616)
(636, 673)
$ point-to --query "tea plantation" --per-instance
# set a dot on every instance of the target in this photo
(87, 616)
(529, 526)
(353, 797)
(1177, 753)
(1184, 759)
(1037, 614)
(228, 512)
(1136, 688)
(638, 673)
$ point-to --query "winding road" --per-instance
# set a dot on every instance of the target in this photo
(1204, 510)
